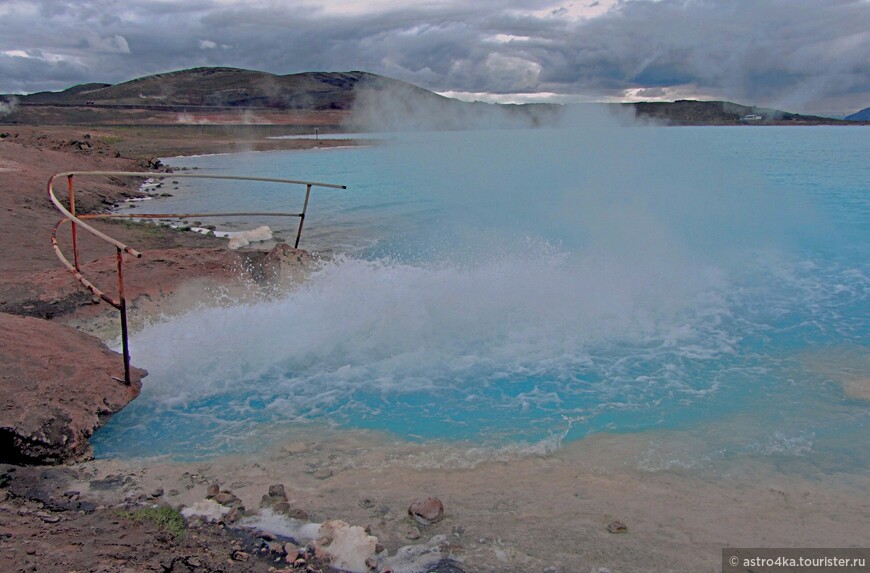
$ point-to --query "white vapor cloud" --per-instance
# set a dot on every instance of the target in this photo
(802, 56)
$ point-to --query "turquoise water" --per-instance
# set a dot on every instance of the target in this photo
(534, 287)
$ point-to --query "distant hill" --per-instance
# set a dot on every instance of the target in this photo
(232, 95)
(693, 112)
(863, 115)
(229, 87)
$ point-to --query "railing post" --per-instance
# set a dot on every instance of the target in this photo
(302, 216)
(122, 307)
(72, 209)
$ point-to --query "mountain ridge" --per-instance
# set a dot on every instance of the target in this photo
(862, 115)
(221, 90)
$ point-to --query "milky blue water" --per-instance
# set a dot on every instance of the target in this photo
(536, 287)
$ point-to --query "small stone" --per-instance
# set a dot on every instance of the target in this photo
(412, 533)
(212, 490)
(291, 549)
(194, 562)
(233, 514)
(323, 473)
(239, 555)
(372, 563)
(299, 563)
(277, 548)
(157, 492)
(267, 535)
(280, 507)
(299, 514)
(71, 493)
(426, 510)
(49, 518)
(324, 541)
(277, 491)
(226, 498)
(366, 503)
(617, 526)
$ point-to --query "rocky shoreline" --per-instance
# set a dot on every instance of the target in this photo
(68, 519)
(60, 383)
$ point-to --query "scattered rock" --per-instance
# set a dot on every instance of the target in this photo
(412, 533)
(234, 514)
(277, 491)
(227, 498)
(617, 526)
(426, 510)
(432, 556)
(322, 473)
(239, 555)
(48, 518)
(279, 507)
(285, 265)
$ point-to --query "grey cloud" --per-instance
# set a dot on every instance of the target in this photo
(784, 52)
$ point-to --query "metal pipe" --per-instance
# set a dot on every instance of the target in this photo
(182, 215)
(72, 208)
(59, 206)
(302, 216)
(144, 174)
(122, 307)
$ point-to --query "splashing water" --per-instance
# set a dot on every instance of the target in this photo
(530, 286)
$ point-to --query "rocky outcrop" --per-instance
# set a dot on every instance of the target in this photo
(57, 386)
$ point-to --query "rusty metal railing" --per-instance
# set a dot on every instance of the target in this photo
(77, 221)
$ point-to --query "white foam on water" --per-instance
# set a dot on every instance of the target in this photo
(388, 327)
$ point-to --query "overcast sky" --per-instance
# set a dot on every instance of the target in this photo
(799, 55)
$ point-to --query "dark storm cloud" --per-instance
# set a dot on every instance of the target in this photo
(793, 54)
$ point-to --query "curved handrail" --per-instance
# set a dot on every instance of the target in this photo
(76, 221)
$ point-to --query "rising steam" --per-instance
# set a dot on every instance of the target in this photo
(8, 106)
